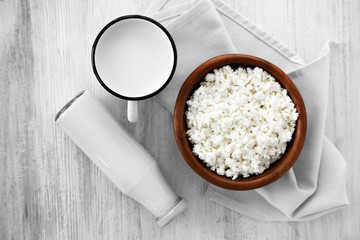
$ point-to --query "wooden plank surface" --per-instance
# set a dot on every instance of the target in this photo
(50, 190)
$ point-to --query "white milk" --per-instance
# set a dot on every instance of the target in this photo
(128, 165)
(134, 57)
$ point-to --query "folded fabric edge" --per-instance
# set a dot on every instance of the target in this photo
(323, 52)
(343, 198)
(172, 12)
(155, 5)
(322, 58)
(186, 17)
(214, 196)
(259, 33)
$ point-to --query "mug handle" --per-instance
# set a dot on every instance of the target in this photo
(132, 111)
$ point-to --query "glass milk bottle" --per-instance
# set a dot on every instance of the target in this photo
(128, 165)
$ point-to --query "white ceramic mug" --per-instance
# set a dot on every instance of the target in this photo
(128, 165)
(134, 58)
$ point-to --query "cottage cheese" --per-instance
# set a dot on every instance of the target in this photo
(240, 121)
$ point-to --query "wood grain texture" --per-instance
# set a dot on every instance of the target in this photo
(50, 190)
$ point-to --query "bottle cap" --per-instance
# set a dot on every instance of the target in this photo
(178, 206)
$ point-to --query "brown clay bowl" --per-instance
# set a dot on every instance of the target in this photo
(277, 169)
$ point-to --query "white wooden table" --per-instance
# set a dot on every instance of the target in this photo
(50, 190)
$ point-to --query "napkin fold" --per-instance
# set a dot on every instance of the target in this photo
(316, 183)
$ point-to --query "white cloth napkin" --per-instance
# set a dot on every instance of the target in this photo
(316, 183)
